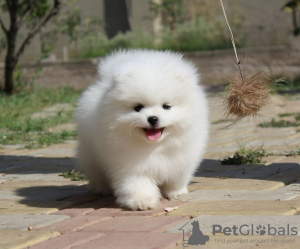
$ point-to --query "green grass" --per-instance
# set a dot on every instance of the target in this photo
(18, 127)
(74, 175)
(282, 115)
(281, 123)
(295, 115)
(289, 86)
(27, 124)
(278, 124)
(244, 155)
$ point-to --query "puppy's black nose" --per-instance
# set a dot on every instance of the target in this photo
(153, 120)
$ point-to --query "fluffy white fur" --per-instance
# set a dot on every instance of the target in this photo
(114, 150)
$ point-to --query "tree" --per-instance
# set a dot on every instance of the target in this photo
(35, 14)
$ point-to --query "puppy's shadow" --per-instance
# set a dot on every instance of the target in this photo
(62, 197)
(74, 197)
(35, 183)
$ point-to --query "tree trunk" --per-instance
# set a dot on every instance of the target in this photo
(10, 64)
(12, 56)
(10, 60)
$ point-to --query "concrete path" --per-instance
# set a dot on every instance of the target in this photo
(235, 206)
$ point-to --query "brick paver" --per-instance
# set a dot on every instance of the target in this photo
(136, 224)
(75, 224)
(40, 209)
(15, 239)
(68, 240)
(134, 241)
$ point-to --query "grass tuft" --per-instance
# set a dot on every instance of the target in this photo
(245, 156)
(278, 124)
(289, 86)
(73, 175)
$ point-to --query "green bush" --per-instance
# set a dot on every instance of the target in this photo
(198, 36)
(188, 36)
(97, 45)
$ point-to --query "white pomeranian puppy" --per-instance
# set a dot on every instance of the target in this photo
(142, 127)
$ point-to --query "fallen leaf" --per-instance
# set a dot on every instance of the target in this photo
(170, 209)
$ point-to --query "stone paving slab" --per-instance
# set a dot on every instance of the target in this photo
(239, 207)
(24, 221)
(64, 150)
(244, 195)
(275, 159)
(40, 190)
(88, 207)
(234, 183)
(290, 159)
(34, 165)
(53, 152)
(293, 188)
(36, 207)
(14, 239)
(258, 173)
(115, 210)
(48, 177)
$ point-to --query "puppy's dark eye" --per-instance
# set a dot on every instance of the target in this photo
(166, 106)
(139, 107)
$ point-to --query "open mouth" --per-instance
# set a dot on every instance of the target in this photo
(153, 134)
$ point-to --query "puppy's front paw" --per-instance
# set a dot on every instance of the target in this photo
(138, 194)
(139, 202)
(177, 192)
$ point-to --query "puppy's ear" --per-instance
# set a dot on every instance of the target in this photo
(187, 74)
(122, 74)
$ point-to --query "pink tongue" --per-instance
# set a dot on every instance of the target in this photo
(153, 134)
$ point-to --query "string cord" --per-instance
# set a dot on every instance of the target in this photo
(232, 40)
